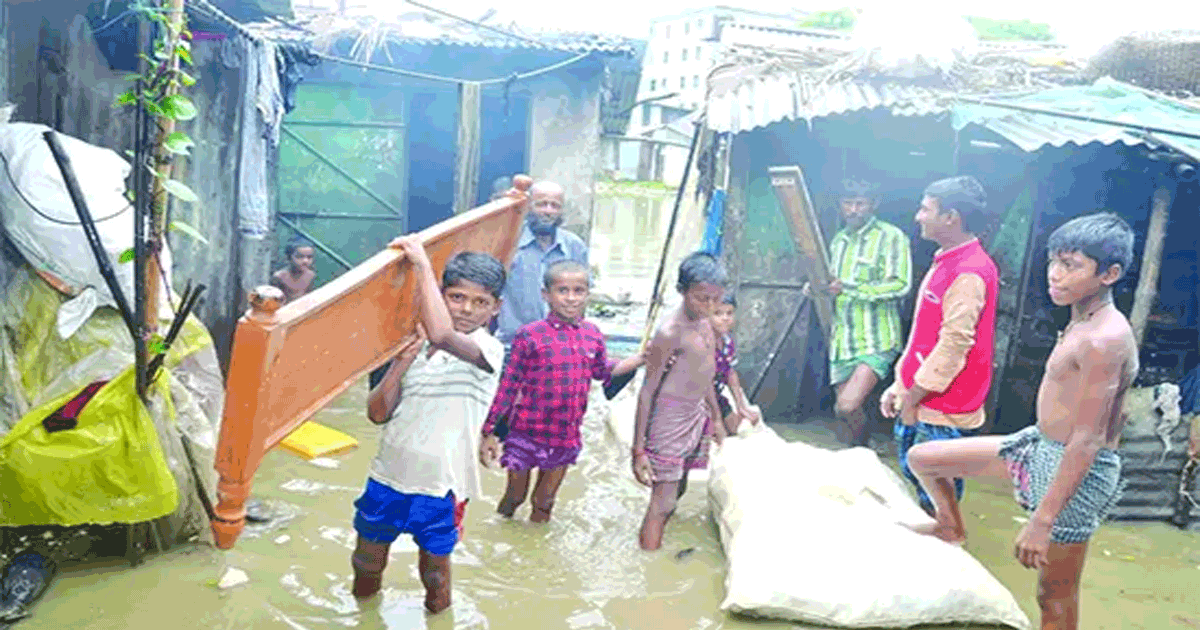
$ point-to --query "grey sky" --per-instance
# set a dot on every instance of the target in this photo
(1085, 24)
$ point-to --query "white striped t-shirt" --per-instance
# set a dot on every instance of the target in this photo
(430, 445)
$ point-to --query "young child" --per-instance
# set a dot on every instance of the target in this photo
(297, 278)
(432, 401)
(678, 403)
(727, 378)
(544, 391)
(1066, 469)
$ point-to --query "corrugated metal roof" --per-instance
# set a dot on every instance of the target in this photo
(762, 101)
(1106, 98)
(755, 86)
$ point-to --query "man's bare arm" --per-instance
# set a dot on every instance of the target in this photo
(434, 313)
(1098, 386)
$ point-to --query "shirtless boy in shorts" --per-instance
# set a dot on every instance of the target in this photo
(296, 279)
(1065, 469)
(677, 400)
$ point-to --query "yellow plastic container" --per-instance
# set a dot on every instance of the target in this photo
(314, 440)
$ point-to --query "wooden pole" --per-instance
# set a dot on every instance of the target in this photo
(466, 163)
(1147, 286)
(164, 165)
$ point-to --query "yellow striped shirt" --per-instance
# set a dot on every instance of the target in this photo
(875, 267)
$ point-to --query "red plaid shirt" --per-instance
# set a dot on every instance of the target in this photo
(551, 367)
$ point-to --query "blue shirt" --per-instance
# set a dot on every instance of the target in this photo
(523, 303)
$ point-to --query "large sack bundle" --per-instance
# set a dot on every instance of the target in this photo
(815, 536)
(39, 218)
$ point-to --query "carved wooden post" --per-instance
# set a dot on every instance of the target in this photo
(239, 454)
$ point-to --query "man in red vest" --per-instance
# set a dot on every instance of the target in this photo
(945, 371)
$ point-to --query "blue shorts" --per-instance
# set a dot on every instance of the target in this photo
(382, 514)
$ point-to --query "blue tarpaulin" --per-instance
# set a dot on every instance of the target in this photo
(714, 226)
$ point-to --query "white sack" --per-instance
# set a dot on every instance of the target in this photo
(812, 535)
(39, 218)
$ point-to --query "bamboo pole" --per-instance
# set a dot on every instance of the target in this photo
(164, 166)
(1147, 286)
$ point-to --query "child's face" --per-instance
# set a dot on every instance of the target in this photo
(568, 295)
(302, 258)
(722, 318)
(701, 299)
(470, 304)
(1072, 277)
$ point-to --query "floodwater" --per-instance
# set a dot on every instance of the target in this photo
(583, 570)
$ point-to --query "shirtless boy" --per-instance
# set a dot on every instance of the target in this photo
(297, 278)
(1065, 469)
(677, 400)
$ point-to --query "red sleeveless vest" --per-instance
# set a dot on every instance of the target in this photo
(969, 390)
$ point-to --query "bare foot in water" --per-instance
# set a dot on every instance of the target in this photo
(947, 533)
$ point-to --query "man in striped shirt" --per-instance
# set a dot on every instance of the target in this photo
(872, 267)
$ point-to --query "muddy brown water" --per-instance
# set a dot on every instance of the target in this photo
(582, 570)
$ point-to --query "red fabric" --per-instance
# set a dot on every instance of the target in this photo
(67, 416)
(969, 390)
(551, 366)
(460, 513)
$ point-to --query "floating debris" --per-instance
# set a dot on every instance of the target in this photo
(24, 580)
(233, 577)
(282, 539)
(327, 463)
(685, 554)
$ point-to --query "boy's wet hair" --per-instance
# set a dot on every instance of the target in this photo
(559, 268)
(964, 194)
(1104, 237)
(729, 298)
(295, 243)
(482, 269)
(700, 267)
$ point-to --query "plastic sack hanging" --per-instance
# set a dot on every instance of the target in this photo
(835, 525)
(108, 468)
(39, 218)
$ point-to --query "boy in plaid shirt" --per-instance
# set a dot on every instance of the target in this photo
(544, 390)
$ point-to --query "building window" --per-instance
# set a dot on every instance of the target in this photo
(684, 57)
(687, 28)
(682, 82)
(700, 23)
(646, 115)
(666, 56)
(651, 30)
(697, 53)
(696, 81)
(667, 31)
(653, 84)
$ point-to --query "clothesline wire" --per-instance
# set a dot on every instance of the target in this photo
(476, 24)
(435, 77)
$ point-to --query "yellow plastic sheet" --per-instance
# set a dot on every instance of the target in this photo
(109, 468)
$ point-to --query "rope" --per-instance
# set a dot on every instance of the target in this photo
(435, 77)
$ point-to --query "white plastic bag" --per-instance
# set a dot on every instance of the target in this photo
(813, 535)
(39, 218)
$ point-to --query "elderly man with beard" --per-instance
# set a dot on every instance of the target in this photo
(541, 243)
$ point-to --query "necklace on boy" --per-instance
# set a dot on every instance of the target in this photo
(1071, 324)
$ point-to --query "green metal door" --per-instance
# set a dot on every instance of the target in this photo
(342, 175)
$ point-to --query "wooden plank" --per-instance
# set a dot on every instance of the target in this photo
(796, 204)
(289, 362)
